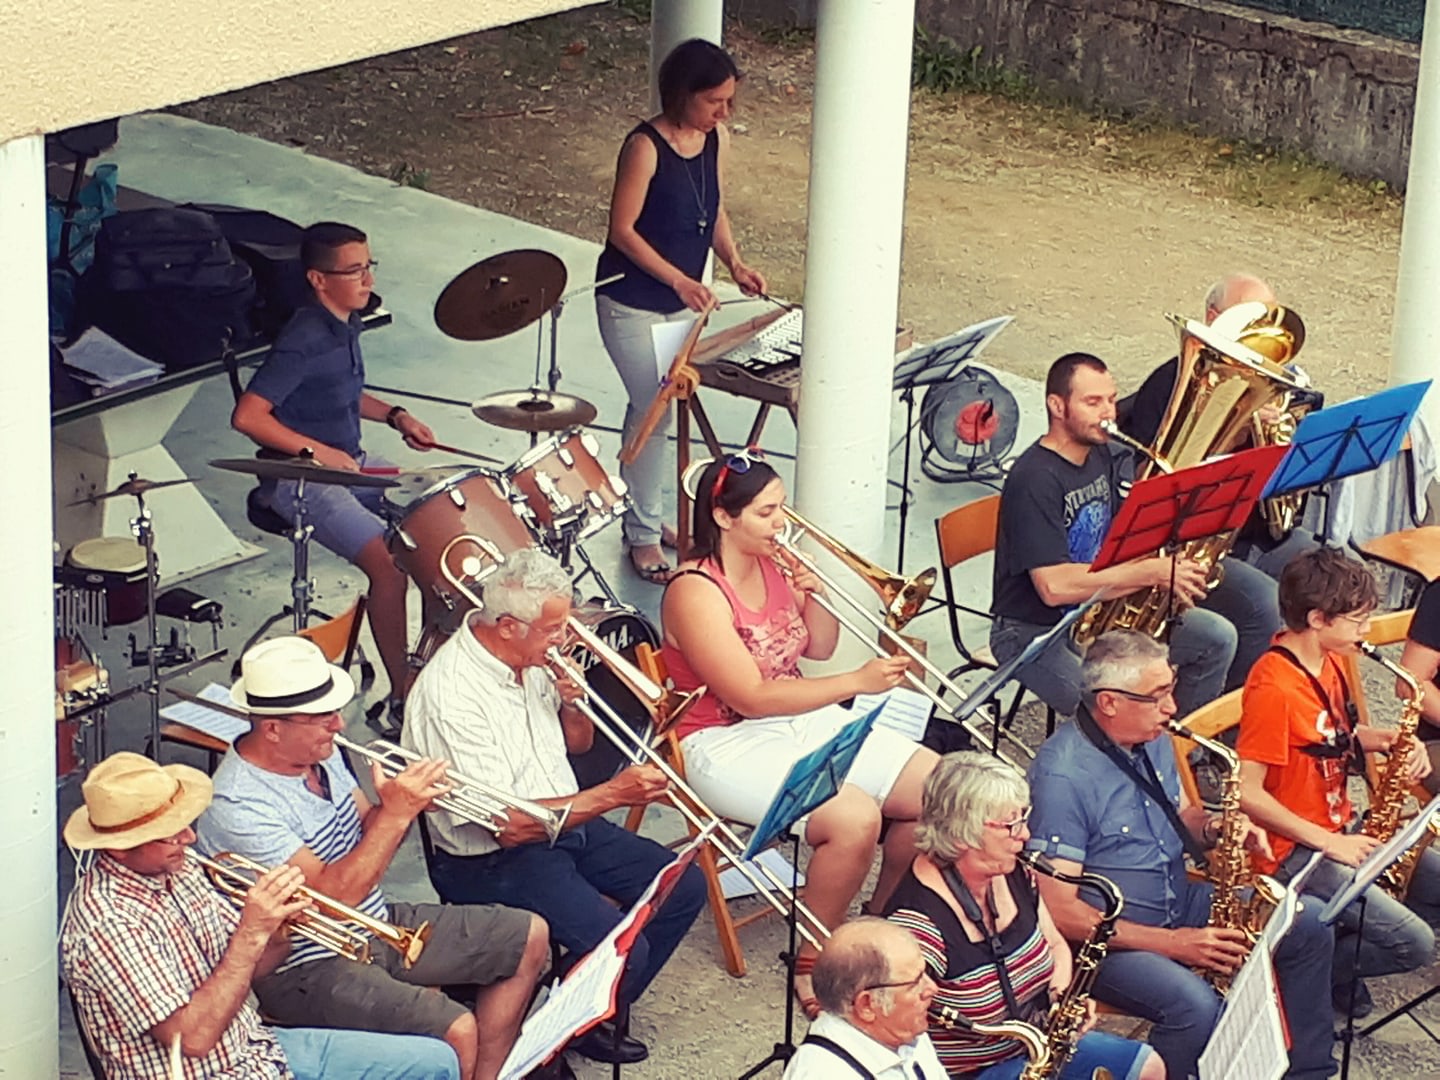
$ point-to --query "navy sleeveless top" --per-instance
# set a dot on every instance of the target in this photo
(677, 220)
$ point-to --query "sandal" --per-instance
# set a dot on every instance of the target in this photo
(657, 573)
(669, 538)
(810, 1006)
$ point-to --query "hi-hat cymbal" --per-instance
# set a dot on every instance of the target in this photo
(136, 485)
(500, 295)
(533, 410)
(299, 468)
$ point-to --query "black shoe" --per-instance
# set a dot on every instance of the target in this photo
(1364, 1003)
(559, 1069)
(599, 1044)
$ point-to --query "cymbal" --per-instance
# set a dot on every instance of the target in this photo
(136, 485)
(500, 295)
(533, 410)
(299, 468)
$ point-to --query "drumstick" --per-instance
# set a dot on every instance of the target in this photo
(465, 453)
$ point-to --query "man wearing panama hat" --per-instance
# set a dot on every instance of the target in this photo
(152, 953)
(284, 794)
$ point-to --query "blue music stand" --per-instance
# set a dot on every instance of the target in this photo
(1346, 439)
(812, 780)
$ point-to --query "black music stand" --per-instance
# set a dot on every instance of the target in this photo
(812, 780)
(1366, 875)
(927, 365)
(1164, 512)
(1346, 439)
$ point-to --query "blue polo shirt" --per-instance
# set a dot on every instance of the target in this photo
(1089, 811)
(314, 377)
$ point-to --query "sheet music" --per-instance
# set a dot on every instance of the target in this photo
(1249, 1040)
(223, 726)
(667, 337)
(1367, 872)
(735, 884)
(586, 996)
(102, 361)
(902, 710)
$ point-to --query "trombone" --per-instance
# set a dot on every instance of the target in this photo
(470, 800)
(636, 747)
(902, 599)
(325, 923)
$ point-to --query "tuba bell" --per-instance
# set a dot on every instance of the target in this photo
(1228, 372)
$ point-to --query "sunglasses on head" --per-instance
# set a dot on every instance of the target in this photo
(738, 463)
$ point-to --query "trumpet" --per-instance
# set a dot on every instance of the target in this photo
(328, 922)
(636, 747)
(789, 541)
(470, 800)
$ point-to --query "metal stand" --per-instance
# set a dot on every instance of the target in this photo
(781, 1053)
(1347, 1036)
(301, 587)
(145, 533)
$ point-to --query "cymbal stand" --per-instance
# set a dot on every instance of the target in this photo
(556, 310)
(144, 532)
(301, 587)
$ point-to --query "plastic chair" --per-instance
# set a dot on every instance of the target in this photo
(962, 534)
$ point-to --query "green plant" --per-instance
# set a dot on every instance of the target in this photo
(636, 9)
(406, 175)
(939, 65)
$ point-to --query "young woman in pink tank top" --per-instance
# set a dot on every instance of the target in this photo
(734, 623)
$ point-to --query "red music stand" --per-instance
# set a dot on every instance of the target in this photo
(1166, 511)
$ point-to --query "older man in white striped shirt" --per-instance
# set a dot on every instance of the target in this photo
(283, 794)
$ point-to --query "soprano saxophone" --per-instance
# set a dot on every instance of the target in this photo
(1050, 1050)
(1393, 788)
(1242, 900)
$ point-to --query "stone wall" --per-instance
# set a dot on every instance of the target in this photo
(1343, 96)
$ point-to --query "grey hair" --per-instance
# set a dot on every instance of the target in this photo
(961, 793)
(521, 586)
(853, 960)
(1117, 658)
(1230, 289)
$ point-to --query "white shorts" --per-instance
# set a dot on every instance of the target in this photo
(737, 769)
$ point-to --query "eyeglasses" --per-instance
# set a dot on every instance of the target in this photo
(908, 984)
(1358, 620)
(738, 463)
(354, 273)
(311, 719)
(1155, 697)
(1015, 825)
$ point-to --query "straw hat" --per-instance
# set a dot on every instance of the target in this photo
(130, 800)
(290, 675)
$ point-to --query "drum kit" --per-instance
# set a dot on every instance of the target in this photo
(113, 581)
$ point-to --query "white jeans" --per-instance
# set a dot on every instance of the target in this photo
(626, 333)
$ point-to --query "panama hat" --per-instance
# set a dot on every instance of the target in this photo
(290, 675)
(130, 800)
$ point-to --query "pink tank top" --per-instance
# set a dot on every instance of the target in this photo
(776, 637)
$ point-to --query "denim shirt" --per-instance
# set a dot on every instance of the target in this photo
(1087, 810)
(314, 377)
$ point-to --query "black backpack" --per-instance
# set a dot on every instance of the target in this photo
(166, 284)
(270, 245)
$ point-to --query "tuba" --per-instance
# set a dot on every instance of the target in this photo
(1242, 900)
(1227, 372)
(1393, 788)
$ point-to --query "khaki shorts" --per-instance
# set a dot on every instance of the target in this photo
(474, 943)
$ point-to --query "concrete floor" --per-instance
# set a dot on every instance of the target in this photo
(421, 242)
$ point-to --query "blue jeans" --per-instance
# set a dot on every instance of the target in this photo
(1202, 647)
(568, 885)
(334, 1054)
(1183, 1007)
(1248, 599)
(1124, 1058)
(1396, 937)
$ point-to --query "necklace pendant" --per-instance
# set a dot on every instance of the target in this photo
(702, 223)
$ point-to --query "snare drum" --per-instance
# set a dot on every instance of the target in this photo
(568, 490)
(622, 628)
(454, 536)
(115, 564)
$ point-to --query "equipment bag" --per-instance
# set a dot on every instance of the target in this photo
(166, 284)
(270, 244)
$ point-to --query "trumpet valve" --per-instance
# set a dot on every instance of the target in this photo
(412, 943)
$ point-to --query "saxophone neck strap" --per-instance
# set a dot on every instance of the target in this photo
(1145, 778)
(990, 931)
(1346, 718)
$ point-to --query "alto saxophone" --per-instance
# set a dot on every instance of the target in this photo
(1050, 1050)
(1242, 900)
(1383, 818)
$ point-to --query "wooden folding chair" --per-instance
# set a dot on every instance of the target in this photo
(1210, 721)
(711, 861)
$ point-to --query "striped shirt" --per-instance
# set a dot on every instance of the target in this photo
(966, 977)
(268, 817)
(134, 949)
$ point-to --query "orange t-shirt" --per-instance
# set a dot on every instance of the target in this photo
(1280, 714)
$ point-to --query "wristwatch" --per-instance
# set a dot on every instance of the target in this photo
(393, 415)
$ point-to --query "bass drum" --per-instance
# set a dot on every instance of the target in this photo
(622, 628)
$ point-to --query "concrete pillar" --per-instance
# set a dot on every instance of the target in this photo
(852, 265)
(674, 21)
(29, 1022)
(1416, 341)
